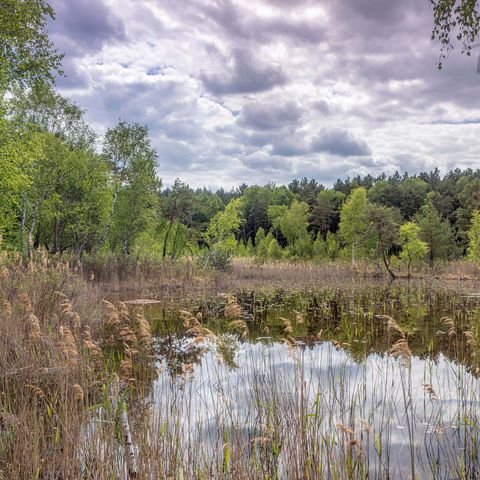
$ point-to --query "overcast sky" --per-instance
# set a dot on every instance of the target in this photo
(254, 91)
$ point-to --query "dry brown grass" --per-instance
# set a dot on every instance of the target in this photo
(72, 361)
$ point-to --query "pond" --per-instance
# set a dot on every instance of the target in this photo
(332, 383)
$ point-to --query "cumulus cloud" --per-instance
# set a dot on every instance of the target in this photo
(267, 90)
(248, 75)
(339, 142)
(86, 25)
(270, 115)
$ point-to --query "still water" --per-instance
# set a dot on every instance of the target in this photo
(304, 384)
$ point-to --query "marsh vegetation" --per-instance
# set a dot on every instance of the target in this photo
(207, 377)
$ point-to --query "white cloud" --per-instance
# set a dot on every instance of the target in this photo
(232, 93)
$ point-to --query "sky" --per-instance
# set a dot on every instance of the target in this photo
(251, 91)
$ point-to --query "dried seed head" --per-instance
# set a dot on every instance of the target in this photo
(78, 393)
(68, 345)
(33, 327)
(401, 350)
(26, 303)
(431, 392)
(7, 310)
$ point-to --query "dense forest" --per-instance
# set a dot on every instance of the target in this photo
(66, 190)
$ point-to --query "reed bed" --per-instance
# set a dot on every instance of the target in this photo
(341, 383)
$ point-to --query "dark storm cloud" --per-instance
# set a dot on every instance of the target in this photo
(270, 115)
(240, 23)
(85, 25)
(247, 76)
(339, 142)
(288, 148)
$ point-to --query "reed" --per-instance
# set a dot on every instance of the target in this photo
(337, 380)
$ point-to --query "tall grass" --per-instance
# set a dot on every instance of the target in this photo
(336, 388)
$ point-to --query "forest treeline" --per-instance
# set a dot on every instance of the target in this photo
(65, 189)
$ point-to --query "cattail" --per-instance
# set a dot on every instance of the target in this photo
(110, 307)
(393, 326)
(353, 442)
(195, 329)
(345, 429)
(366, 427)
(337, 344)
(36, 391)
(123, 312)
(65, 305)
(4, 272)
(75, 320)
(188, 318)
(78, 395)
(187, 368)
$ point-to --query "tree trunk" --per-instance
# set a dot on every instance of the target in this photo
(56, 236)
(31, 230)
(22, 229)
(110, 216)
(171, 219)
(386, 261)
(165, 240)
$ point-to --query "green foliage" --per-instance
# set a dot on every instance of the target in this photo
(460, 18)
(474, 237)
(16, 154)
(326, 211)
(413, 193)
(27, 56)
(128, 150)
(414, 250)
(319, 248)
(274, 250)
(255, 203)
(436, 233)
(381, 232)
(291, 222)
(261, 247)
(40, 107)
(220, 236)
(353, 221)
